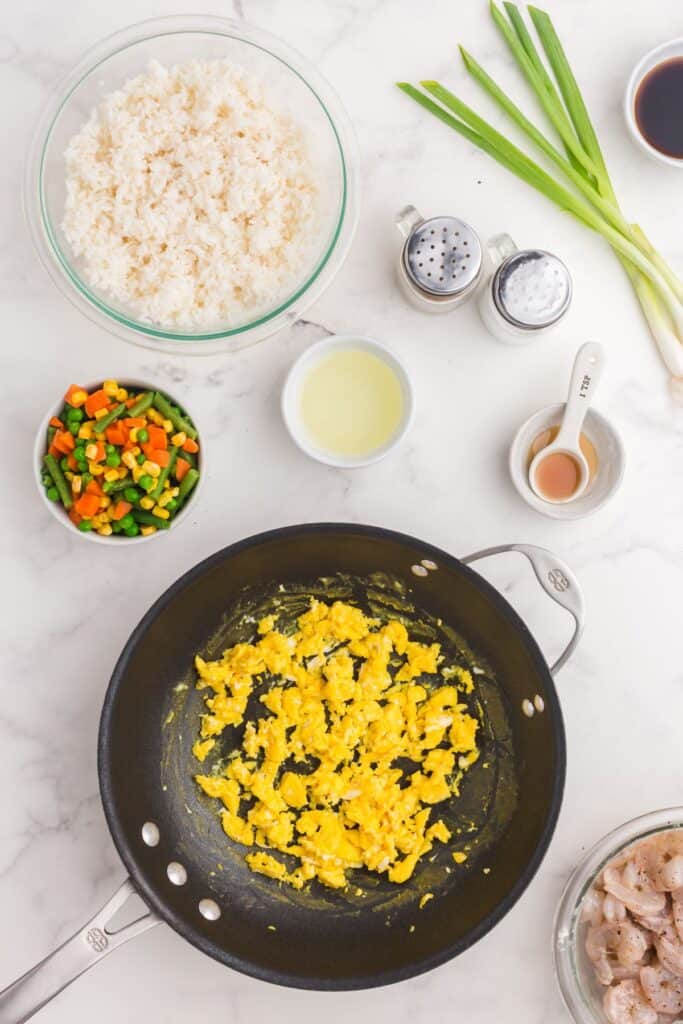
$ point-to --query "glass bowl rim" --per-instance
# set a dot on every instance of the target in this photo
(41, 227)
(581, 879)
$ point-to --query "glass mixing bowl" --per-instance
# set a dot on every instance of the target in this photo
(581, 992)
(300, 91)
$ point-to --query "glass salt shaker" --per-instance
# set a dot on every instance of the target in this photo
(527, 294)
(440, 264)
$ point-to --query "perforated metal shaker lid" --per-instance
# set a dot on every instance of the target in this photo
(443, 256)
(532, 289)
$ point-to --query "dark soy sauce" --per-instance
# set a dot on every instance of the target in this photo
(659, 107)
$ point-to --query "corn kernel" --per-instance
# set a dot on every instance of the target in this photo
(147, 531)
(68, 475)
(105, 530)
(128, 459)
(136, 450)
(98, 520)
(179, 439)
(111, 475)
(101, 413)
(77, 484)
(122, 471)
(163, 513)
(105, 501)
(91, 451)
(85, 432)
(95, 468)
(151, 467)
(155, 417)
(137, 472)
(175, 491)
(147, 503)
(164, 499)
(167, 425)
(79, 397)
(133, 436)
(110, 387)
(121, 395)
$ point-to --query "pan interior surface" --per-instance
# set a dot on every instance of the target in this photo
(374, 931)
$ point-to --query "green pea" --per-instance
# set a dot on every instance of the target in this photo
(126, 521)
(143, 435)
(82, 465)
(110, 449)
(131, 494)
(132, 531)
(79, 450)
(73, 428)
(113, 460)
(53, 494)
(146, 481)
(116, 527)
(74, 414)
(106, 487)
(141, 458)
(85, 525)
(171, 505)
(87, 478)
(64, 463)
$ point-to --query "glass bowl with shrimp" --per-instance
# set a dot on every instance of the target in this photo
(618, 939)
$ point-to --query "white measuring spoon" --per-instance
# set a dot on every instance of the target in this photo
(586, 373)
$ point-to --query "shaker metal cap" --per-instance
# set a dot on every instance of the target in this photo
(443, 256)
(532, 289)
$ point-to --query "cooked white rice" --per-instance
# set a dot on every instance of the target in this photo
(189, 201)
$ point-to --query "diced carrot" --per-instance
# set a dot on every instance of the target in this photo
(73, 465)
(87, 505)
(97, 400)
(157, 437)
(191, 446)
(116, 434)
(130, 402)
(134, 421)
(160, 456)
(182, 466)
(64, 441)
(57, 452)
(94, 488)
(120, 509)
(76, 396)
(56, 422)
(74, 516)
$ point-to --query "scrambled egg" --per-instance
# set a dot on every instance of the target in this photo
(352, 753)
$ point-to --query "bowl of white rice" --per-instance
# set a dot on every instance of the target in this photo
(193, 184)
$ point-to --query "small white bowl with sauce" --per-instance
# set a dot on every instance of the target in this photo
(604, 453)
(347, 401)
(652, 103)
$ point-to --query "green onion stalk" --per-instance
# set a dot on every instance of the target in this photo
(577, 157)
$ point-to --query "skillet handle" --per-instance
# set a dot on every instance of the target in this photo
(95, 940)
(558, 581)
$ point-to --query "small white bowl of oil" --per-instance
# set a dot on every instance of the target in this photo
(601, 446)
(347, 401)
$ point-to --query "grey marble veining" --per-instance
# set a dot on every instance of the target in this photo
(623, 692)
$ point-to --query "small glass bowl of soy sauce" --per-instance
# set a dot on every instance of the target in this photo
(654, 101)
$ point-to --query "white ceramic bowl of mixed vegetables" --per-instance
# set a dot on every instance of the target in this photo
(118, 461)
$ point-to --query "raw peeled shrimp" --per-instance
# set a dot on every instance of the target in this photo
(626, 1003)
(624, 942)
(660, 859)
(633, 890)
(677, 912)
(662, 988)
(613, 910)
(591, 910)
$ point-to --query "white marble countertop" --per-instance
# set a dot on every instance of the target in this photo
(68, 606)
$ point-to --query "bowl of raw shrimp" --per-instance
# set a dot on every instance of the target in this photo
(618, 940)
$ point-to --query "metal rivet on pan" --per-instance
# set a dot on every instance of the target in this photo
(428, 564)
(539, 703)
(528, 708)
(418, 570)
(209, 909)
(176, 873)
(150, 833)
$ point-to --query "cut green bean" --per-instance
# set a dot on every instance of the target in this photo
(165, 473)
(107, 420)
(148, 519)
(60, 483)
(187, 483)
(163, 406)
(142, 405)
